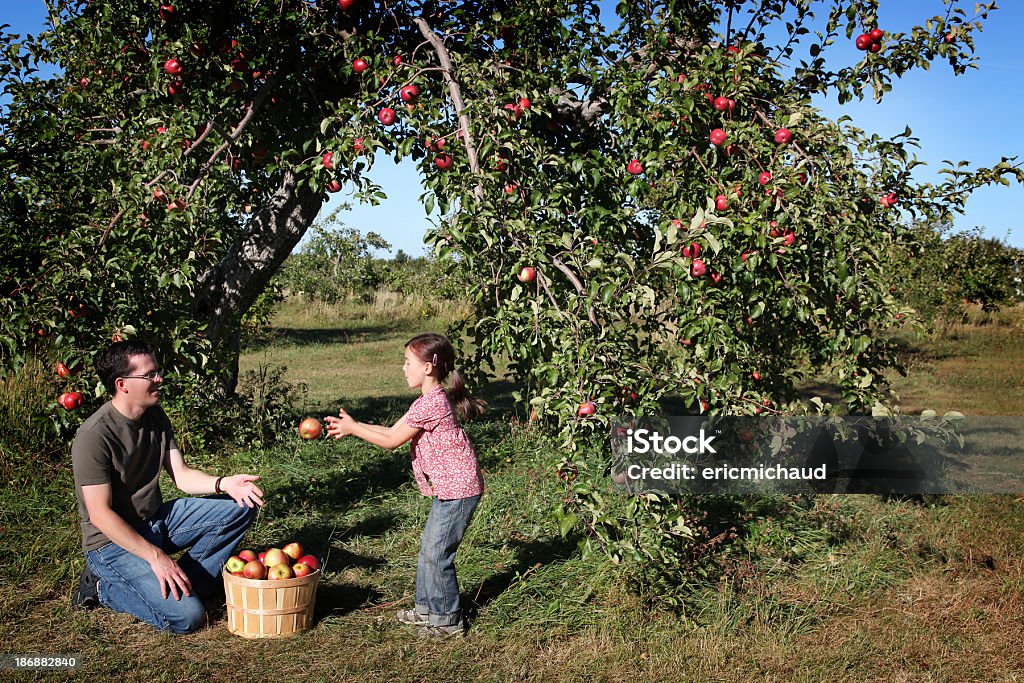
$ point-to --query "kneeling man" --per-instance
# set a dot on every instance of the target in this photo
(128, 531)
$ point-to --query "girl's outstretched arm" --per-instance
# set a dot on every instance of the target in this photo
(385, 437)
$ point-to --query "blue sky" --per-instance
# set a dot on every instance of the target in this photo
(975, 117)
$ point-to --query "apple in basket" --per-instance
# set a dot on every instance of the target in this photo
(254, 569)
(276, 556)
(235, 565)
(280, 571)
(293, 550)
(310, 560)
(248, 555)
(300, 569)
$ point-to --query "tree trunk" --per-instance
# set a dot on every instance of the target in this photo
(227, 291)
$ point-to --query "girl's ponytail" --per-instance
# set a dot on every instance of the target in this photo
(467, 406)
(437, 350)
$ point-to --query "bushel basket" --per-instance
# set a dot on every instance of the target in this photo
(270, 609)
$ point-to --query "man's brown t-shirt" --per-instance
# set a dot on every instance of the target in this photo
(127, 454)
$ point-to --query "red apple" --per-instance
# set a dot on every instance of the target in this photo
(524, 103)
(254, 569)
(71, 400)
(248, 555)
(360, 65)
(950, 39)
(717, 137)
(346, 5)
(176, 88)
(397, 60)
(84, 82)
(876, 35)
(334, 186)
(789, 238)
(716, 278)
(386, 116)
(310, 428)
(166, 12)
(357, 145)
(863, 41)
(328, 160)
(301, 569)
(889, 200)
(698, 267)
(724, 104)
(310, 561)
(586, 409)
(280, 571)
(409, 93)
(262, 556)
(235, 564)
(634, 167)
(527, 274)
(275, 556)
(692, 250)
(173, 67)
(764, 178)
(293, 550)
(65, 371)
(875, 48)
(783, 136)
(721, 202)
(443, 161)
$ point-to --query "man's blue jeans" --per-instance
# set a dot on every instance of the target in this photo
(437, 586)
(209, 528)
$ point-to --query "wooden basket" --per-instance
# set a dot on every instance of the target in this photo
(270, 609)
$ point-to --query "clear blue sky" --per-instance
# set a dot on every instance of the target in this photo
(976, 117)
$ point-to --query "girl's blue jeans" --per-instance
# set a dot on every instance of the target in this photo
(437, 586)
(209, 528)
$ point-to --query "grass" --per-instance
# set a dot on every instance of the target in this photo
(847, 588)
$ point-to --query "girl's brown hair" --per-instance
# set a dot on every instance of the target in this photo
(437, 350)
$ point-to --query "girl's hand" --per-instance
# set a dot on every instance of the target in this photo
(340, 426)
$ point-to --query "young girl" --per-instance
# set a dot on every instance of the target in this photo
(445, 468)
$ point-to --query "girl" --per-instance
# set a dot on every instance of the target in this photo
(445, 468)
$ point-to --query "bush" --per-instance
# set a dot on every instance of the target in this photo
(936, 276)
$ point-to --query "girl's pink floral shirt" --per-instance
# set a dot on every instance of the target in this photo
(443, 460)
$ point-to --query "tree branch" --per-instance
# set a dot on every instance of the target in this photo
(455, 92)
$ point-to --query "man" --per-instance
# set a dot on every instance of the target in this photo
(128, 531)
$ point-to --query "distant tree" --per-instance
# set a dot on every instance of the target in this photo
(935, 271)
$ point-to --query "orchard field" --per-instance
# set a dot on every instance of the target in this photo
(846, 588)
(634, 209)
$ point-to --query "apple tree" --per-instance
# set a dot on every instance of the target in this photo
(642, 207)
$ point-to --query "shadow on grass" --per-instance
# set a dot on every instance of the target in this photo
(294, 336)
(338, 600)
(528, 554)
(341, 489)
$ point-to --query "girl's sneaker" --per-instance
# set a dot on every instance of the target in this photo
(453, 631)
(411, 616)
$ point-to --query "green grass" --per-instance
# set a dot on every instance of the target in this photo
(847, 588)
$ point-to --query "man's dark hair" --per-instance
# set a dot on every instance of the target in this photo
(116, 360)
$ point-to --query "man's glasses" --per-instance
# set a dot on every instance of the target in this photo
(151, 376)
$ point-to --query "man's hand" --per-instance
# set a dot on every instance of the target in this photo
(170, 576)
(338, 427)
(242, 489)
